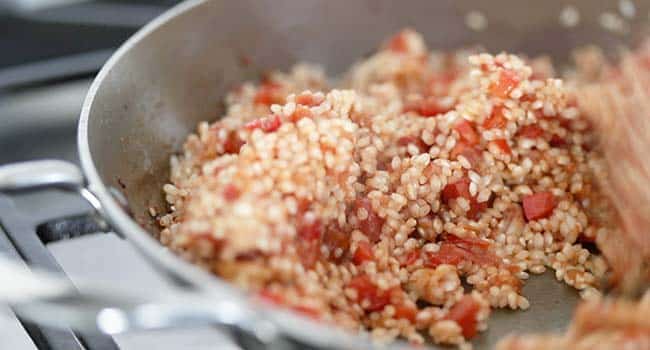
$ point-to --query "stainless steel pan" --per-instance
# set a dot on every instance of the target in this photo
(175, 72)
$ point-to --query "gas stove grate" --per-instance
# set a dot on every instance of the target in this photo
(21, 238)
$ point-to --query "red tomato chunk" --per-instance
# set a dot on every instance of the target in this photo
(405, 311)
(507, 82)
(458, 189)
(411, 257)
(363, 253)
(503, 146)
(370, 226)
(268, 124)
(538, 205)
(233, 143)
(429, 107)
(530, 131)
(464, 312)
(467, 132)
(309, 100)
(470, 153)
(496, 120)
(447, 254)
(366, 290)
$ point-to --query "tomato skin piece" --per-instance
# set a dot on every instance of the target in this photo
(538, 205)
(471, 153)
(370, 226)
(411, 257)
(507, 82)
(454, 250)
(448, 254)
(233, 143)
(456, 189)
(464, 312)
(363, 253)
(405, 311)
(530, 131)
(299, 113)
(366, 290)
(467, 132)
(496, 120)
(268, 124)
(503, 146)
(309, 100)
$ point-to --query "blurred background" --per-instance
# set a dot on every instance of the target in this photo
(49, 51)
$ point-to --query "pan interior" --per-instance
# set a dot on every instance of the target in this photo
(177, 75)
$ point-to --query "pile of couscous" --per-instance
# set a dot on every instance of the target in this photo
(369, 203)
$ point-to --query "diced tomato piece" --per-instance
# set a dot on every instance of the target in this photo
(531, 131)
(233, 143)
(447, 254)
(538, 205)
(503, 146)
(230, 192)
(460, 188)
(467, 132)
(507, 82)
(411, 257)
(431, 107)
(268, 124)
(406, 140)
(457, 189)
(428, 107)
(299, 113)
(471, 153)
(406, 311)
(453, 250)
(467, 243)
(372, 224)
(272, 297)
(269, 93)
(557, 141)
(310, 228)
(496, 120)
(306, 311)
(363, 253)
(308, 252)
(398, 43)
(464, 313)
(335, 238)
(475, 208)
(309, 100)
(366, 290)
